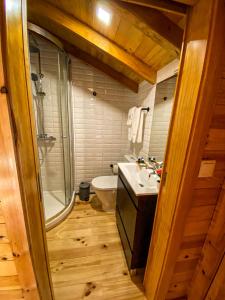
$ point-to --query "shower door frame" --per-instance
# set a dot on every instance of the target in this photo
(59, 217)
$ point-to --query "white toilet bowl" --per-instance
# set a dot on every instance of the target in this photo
(105, 188)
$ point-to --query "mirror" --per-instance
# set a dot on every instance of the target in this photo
(161, 117)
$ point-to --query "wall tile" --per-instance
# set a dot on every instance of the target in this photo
(100, 130)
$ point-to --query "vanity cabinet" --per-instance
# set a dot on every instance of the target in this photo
(135, 216)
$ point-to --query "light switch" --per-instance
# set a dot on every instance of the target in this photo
(207, 168)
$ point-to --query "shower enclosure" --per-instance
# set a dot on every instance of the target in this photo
(49, 66)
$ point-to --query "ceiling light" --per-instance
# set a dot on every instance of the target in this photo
(103, 15)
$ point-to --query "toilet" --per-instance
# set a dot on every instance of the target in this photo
(105, 188)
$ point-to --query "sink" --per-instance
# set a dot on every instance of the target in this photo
(130, 158)
(140, 179)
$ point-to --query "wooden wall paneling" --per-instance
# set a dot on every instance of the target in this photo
(188, 132)
(217, 288)
(216, 139)
(17, 280)
(10, 285)
(210, 187)
(2, 221)
(197, 225)
(214, 247)
(14, 32)
(212, 253)
(62, 25)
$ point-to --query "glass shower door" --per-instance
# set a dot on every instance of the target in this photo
(64, 104)
(51, 96)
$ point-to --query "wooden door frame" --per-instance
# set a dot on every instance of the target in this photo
(17, 76)
(16, 255)
(191, 118)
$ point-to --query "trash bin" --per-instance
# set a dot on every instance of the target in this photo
(84, 191)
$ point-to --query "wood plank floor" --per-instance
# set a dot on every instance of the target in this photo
(86, 257)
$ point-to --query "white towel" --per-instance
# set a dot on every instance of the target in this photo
(33, 88)
(140, 128)
(135, 124)
(130, 115)
(129, 122)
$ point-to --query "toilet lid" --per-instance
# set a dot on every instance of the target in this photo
(105, 182)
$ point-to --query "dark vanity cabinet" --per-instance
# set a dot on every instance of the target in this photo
(134, 215)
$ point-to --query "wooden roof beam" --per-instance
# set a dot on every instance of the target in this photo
(162, 5)
(63, 25)
(164, 32)
(93, 61)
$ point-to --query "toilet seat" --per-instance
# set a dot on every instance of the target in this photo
(105, 182)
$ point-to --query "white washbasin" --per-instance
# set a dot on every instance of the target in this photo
(139, 179)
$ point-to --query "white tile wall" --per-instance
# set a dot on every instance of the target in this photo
(100, 130)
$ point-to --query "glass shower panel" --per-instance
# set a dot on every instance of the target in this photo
(64, 86)
(49, 74)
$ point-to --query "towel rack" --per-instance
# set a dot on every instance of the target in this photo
(146, 108)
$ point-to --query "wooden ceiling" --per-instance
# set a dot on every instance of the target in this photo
(138, 41)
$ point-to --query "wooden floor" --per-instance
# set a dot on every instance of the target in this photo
(87, 259)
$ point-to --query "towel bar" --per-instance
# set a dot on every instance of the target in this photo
(146, 108)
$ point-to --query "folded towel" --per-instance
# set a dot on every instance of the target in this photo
(130, 115)
(140, 128)
(33, 88)
(135, 124)
(129, 122)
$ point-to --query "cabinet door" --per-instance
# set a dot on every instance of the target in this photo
(124, 240)
(127, 211)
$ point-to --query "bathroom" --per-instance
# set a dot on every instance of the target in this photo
(85, 130)
(112, 149)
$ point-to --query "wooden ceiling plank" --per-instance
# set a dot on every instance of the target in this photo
(162, 5)
(108, 31)
(98, 64)
(164, 32)
(70, 27)
(124, 33)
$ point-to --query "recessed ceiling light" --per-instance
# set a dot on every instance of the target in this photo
(103, 15)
